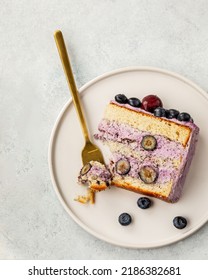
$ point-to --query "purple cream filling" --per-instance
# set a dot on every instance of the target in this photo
(102, 173)
(113, 131)
(163, 173)
(186, 163)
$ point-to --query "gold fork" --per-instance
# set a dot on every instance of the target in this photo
(90, 150)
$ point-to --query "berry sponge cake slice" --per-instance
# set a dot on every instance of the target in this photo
(151, 150)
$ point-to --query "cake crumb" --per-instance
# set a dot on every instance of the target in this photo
(84, 199)
(91, 195)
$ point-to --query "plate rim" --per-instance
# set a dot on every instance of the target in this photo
(202, 222)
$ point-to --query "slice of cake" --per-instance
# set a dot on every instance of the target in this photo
(152, 148)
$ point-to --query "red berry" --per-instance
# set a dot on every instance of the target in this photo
(151, 102)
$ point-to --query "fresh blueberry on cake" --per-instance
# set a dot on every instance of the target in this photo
(96, 175)
(152, 148)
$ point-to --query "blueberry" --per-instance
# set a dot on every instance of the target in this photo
(148, 174)
(124, 219)
(123, 166)
(172, 114)
(121, 98)
(179, 222)
(159, 112)
(85, 169)
(144, 202)
(149, 143)
(185, 117)
(134, 102)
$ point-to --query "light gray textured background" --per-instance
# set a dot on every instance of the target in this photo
(101, 36)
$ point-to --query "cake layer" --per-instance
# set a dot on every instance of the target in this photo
(114, 131)
(158, 159)
(165, 172)
(161, 191)
(143, 121)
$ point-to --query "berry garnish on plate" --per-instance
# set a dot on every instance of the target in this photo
(124, 219)
(144, 202)
(180, 222)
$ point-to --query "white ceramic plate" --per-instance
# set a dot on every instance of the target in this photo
(152, 227)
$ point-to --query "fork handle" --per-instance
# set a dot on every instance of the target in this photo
(70, 80)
